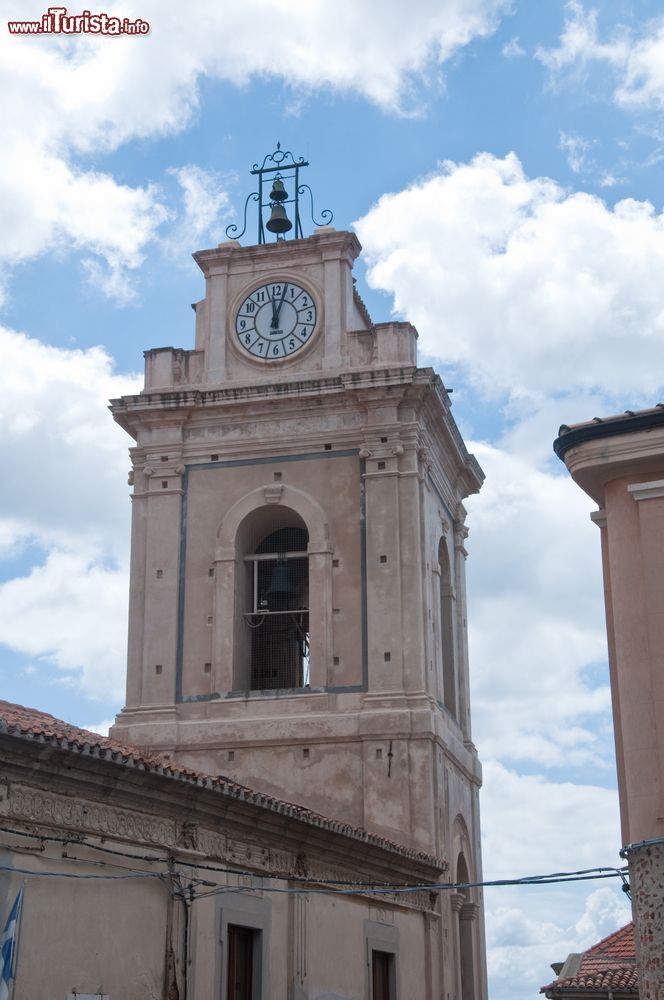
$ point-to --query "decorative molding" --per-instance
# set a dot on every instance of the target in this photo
(647, 491)
(424, 456)
(469, 910)
(598, 517)
(273, 494)
(83, 815)
(457, 901)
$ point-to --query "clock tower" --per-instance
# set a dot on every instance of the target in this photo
(297, 603)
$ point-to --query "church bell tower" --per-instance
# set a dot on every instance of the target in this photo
(298, 603)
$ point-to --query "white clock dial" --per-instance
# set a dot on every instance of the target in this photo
(275, 320)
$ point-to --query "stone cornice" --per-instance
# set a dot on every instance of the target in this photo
(322, 244)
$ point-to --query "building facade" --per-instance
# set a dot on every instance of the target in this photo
(619, 462)
(143, 880)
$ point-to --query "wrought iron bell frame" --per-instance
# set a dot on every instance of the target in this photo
(279, 165)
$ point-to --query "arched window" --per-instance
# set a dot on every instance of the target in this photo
(276, 600)
(447, 629)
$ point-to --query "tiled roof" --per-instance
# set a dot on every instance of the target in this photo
(607, 965)
(40, 727)
(618, 945)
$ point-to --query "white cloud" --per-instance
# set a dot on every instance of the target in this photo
(99, 727)
(609, 180)
(71, 611)
(79, 94)
(67, 457)
(204, 203)
(524, 285)
(636, 60)
(642, 83)
(579, 42)
(519, 813)
(535, 616)
(47, 203)
(576, 149)
(520, 937)
(513, 49)
(67, 495)
(533, 826)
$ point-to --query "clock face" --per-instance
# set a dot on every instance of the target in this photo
(275, 321)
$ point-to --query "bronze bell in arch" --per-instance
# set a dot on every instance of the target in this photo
(282, 589)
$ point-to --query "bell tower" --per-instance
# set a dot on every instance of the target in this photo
(298, 603)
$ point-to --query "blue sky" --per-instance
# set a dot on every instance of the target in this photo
(501, 163)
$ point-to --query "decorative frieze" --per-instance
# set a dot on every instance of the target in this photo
(83, 816)
(43, 808)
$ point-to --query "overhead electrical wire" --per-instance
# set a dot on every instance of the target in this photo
(307, 885)
(581, 875)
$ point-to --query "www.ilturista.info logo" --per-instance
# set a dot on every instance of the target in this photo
(56, 21)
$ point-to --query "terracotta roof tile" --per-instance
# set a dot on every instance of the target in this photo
(30, 723)
(618, 977)
(620, 944)
(608, 965)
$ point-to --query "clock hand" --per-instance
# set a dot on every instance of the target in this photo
(274, 323)
(281, 302)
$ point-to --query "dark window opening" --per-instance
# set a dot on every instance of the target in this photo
(279, 614)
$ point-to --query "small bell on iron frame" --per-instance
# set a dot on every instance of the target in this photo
(278, 192)
(279, 221)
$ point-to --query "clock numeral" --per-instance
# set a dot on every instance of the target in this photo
(292, 293)
(247, 338)
(250, 306)
(291, 344)
(261, 346)
(242, 324)
(304, 333)
(260, 296)
(276, 291)
(275, 350)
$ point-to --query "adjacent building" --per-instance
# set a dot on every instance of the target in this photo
(619, 462)
(606, 971)
(144, 879)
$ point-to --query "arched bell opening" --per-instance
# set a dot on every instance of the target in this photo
(275, 599)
